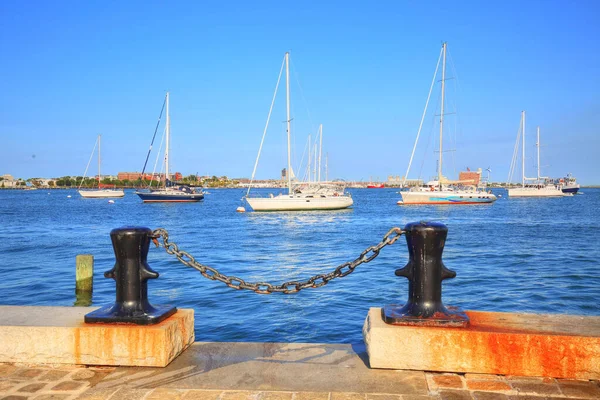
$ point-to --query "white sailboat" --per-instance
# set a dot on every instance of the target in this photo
(539, 186)
(170, 193)
(299, 197)
(102, 191)
(442, 191)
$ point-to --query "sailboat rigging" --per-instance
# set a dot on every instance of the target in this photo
(170, 192)
(442, 191)
(300, 196)
(102, 191)
(539, 187)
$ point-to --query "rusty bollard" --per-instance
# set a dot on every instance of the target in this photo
(131, 273)
(425, 272)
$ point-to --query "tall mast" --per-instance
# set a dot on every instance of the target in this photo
(168, 139)
(326, 167)
(320, 148)
(523, 157)
(309, 157)
(315, 162)
(538, 154)
(99, 137)
(442, 114)
(289, 151)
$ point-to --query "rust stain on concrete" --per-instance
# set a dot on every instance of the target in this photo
(130, 344)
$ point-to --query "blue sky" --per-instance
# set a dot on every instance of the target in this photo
(72, 70)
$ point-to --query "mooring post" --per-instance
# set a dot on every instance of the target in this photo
(84, 279)
(84, 273)
(425, 272)
(131, 273)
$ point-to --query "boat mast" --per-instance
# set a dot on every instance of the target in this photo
(99, 137)
(320, 148)
(326, 167)
(538, 154)
(168, 138)
(442, 115)
(315, 162)
(309, 156)
(289, 151)
(523, 157)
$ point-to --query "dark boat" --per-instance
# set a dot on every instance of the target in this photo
(171, 192)
(569, 184)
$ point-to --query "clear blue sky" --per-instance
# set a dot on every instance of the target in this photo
(72, 70)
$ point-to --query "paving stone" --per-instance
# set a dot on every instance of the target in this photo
(68, 386)
(6, 369)
(417, 397)
(539, 389)
(83, 374)
(129, 394)
(27, 373)
(489, 396)
(488, 385)
(54, 375)
(100, 394)
(448, 381)
(52, 397)
(202, 395)
(455, 395)
(6, 385)
(483, 377)
(348, 396)
(92, 375)
(311, 396)
(239, 395)
(32, 388)
(165, 394)
(583, 389)
(15, 397)
(384, 397)
(275, 396)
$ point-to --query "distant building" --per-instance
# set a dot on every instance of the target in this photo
(284, 174)
(134, 176)
(397, 181)
(469, 177)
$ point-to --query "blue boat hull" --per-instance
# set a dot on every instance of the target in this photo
(571, 190)
(170, 198)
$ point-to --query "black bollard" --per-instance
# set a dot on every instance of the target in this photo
(425, 272)
(131, 273)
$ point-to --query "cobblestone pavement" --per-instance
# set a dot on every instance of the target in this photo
(40, 382)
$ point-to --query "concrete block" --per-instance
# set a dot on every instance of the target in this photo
(559, 346)
(58, 335)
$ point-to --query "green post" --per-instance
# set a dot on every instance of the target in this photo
(84, 274)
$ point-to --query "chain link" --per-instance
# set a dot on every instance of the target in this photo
(316, 281)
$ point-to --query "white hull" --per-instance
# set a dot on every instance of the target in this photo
(537, 192)
(101, 193)
(299, 203)
(447, 197)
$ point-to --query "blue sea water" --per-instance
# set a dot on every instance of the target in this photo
(530, 255)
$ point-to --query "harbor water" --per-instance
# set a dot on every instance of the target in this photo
(523, 255)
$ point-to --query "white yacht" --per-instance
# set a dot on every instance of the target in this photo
(299, 197)
(442, 191)
(539, 186)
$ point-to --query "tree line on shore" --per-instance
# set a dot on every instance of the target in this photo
(88, 182)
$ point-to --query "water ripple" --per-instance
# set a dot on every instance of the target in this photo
(517, 255)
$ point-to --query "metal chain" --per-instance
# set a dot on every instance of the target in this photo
(316, 281)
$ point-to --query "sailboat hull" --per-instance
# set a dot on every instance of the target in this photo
(101, 193)
(537, 192)
(162, 197)
(299, 203)
(447, 197)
